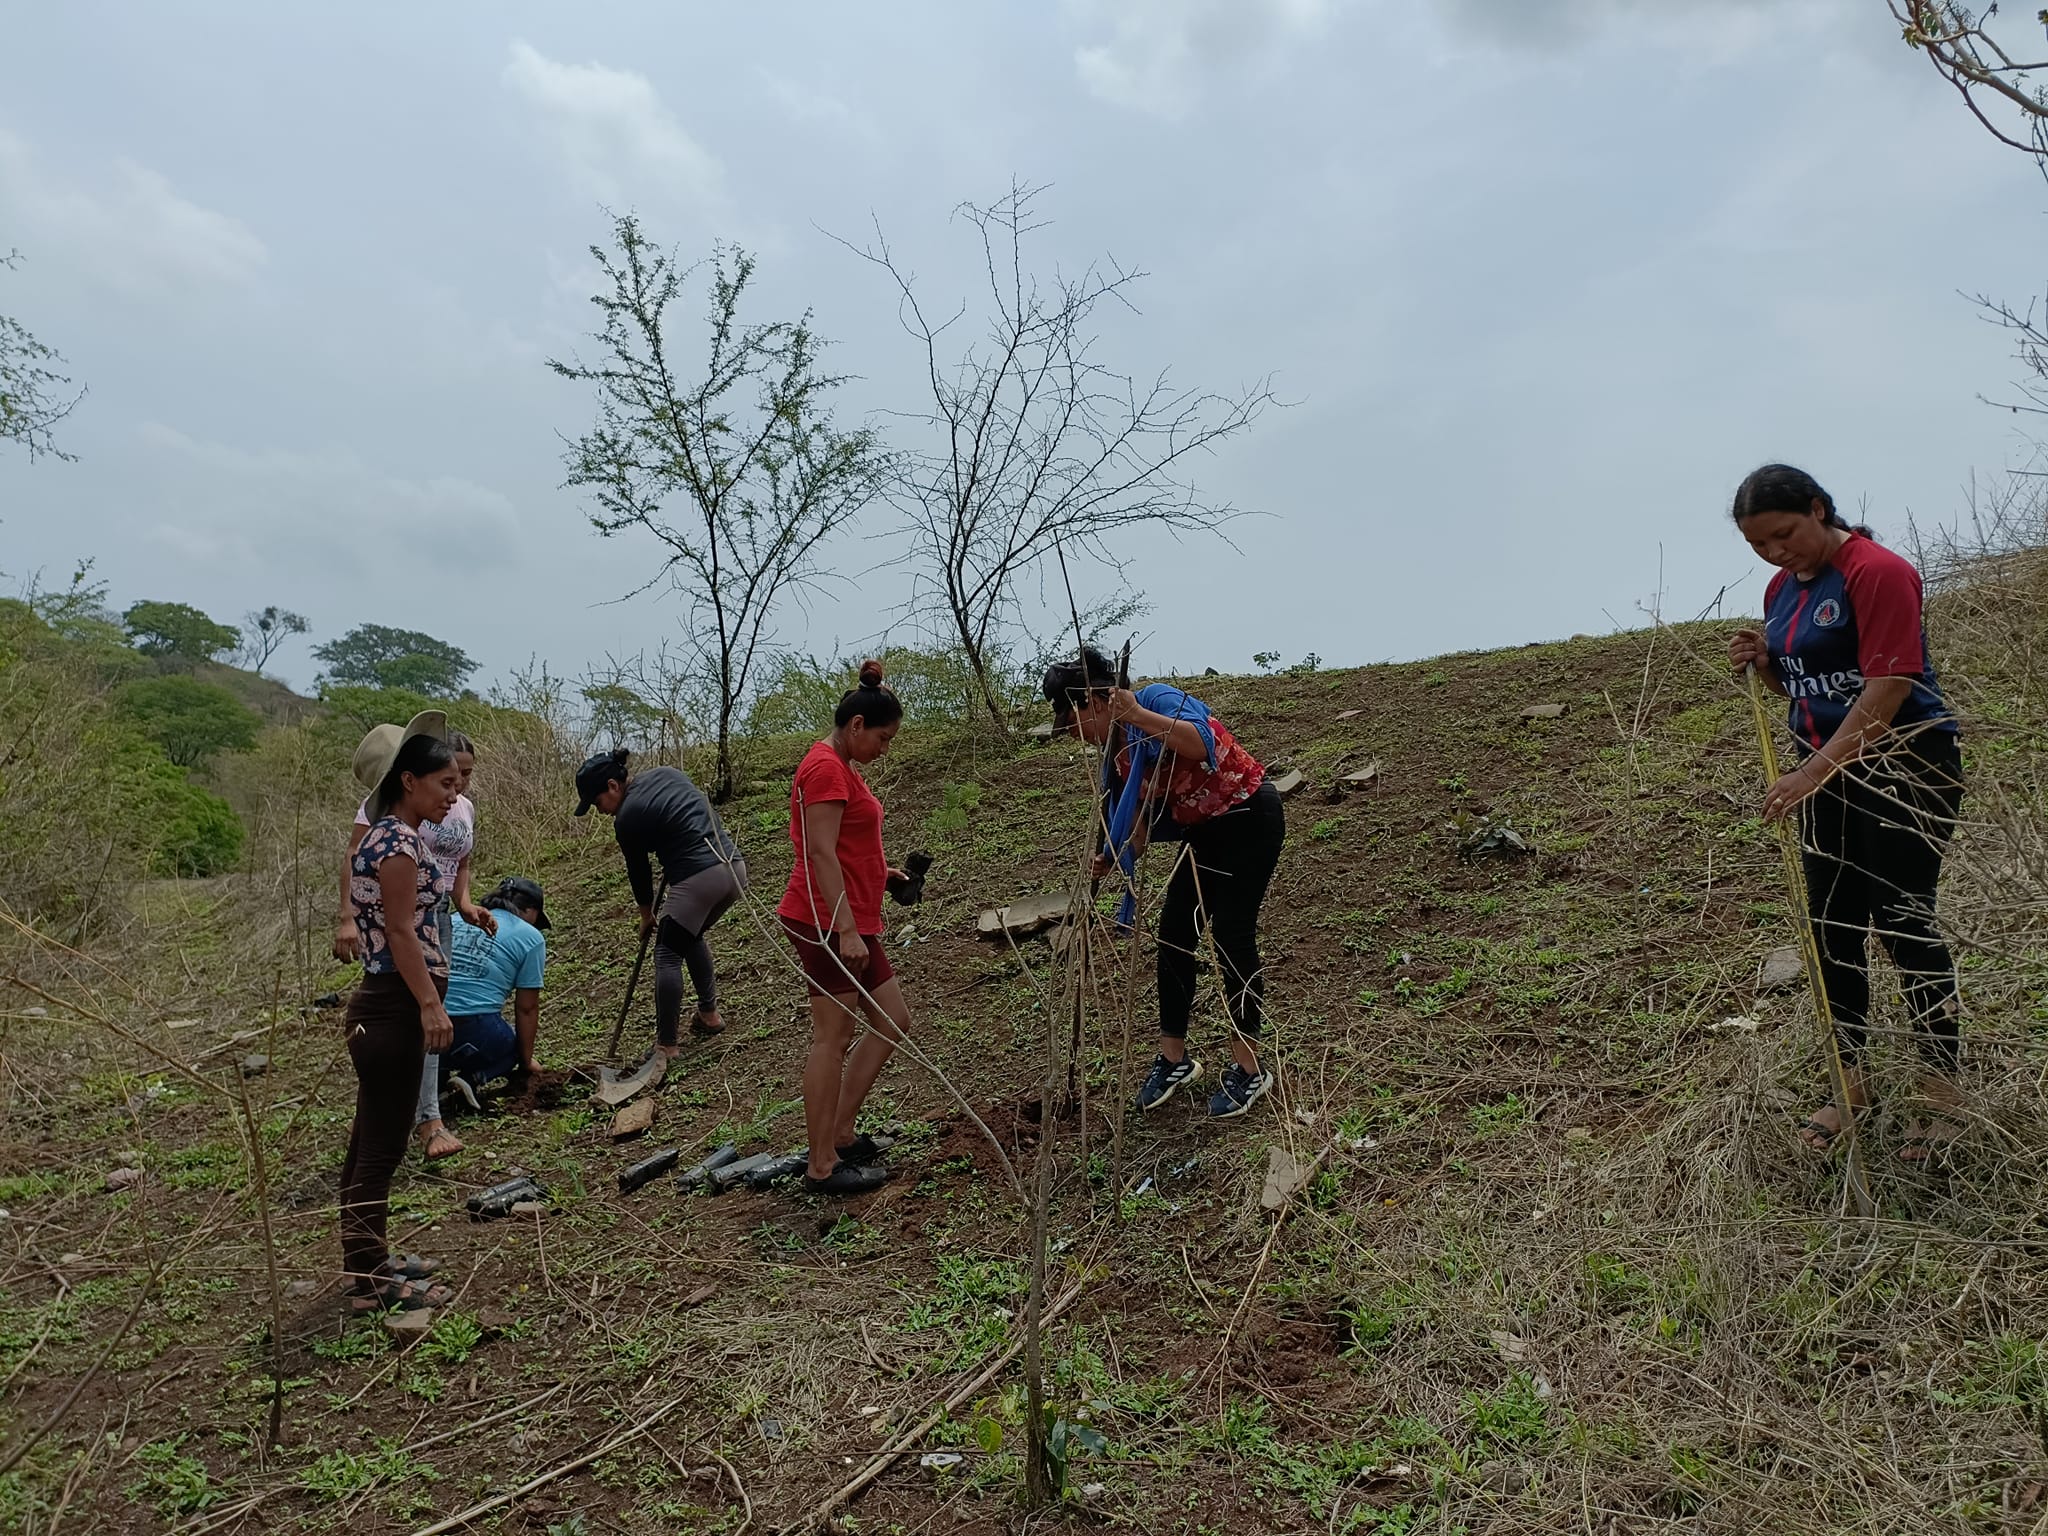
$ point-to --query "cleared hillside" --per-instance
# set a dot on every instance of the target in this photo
(1561, 1263)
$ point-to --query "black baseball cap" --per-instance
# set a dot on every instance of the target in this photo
(595, 774)
(1064, 679)
(523, 892)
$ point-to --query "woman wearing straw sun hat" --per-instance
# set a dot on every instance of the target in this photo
(396, 1016)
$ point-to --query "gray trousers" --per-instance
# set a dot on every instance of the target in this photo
(693, 905)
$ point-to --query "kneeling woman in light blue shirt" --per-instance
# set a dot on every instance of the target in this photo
(486, 970)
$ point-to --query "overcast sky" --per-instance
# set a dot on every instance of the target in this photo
(1543, 279)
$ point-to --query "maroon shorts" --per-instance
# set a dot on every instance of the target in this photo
(826, 971)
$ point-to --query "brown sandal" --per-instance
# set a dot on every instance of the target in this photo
(443, 1135)
(395, 1293)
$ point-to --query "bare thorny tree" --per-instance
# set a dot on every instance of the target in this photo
(1032, 441)
(1998, 88)
(738, 472)
(34, 396)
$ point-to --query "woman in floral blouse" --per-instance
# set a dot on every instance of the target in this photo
(1175, 771)
(396, 1016)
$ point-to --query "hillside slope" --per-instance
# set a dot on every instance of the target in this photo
(1561, 1264)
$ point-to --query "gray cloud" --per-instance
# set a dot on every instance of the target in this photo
(309, 515)
(1560, 22)
(1157, 56)
(128, 226)
(615, 134)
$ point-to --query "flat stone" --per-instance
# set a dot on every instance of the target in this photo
(699, 1296)
(1040, 732)
(1349, 714)
(179, 1023)
(1579, 1133)
(634, 1120)
(496, 1321)
(616, 1087)
(1020, 919)
(35, 1013)
(255, 1066)
(1781, 969)
(71, 1258)
(530, 1207)
(1284, 1175)
(1289, 784)
(302, 1288)
(409, 1327)
(940, 1461)
(123, 1178)
(1542, 711)
(1359, 777)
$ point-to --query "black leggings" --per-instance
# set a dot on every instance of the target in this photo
(691, 907)
(1220, 880)
(1874, 839)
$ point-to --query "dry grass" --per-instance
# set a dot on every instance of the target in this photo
(1562, 1266)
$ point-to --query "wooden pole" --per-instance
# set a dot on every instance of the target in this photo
(1809, 947)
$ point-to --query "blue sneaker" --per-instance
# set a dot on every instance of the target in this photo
(1164, 1078)
(1240, 1091)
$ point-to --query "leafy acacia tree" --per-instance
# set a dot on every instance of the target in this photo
(264, 630)
(735, 468)
(177, 632)
(1031, 441)
(377, 656)
(191, 720)
(34, 396)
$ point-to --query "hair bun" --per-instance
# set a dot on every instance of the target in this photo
(871, 674)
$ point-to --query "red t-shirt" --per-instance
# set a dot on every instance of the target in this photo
(824, 777)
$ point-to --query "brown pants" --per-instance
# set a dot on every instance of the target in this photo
(388, 1048)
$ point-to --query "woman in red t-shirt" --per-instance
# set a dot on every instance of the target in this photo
(833, 911)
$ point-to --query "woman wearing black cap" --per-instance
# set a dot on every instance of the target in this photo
(1177, 772)
(486, 969)
(659, 813)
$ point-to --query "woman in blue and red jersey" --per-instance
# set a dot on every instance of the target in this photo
(1880, 781)
(1172, 770)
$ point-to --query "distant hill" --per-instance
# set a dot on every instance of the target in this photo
(275, 702)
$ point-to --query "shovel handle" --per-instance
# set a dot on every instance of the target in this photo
(633, 981)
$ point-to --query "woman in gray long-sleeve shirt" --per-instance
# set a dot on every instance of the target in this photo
(657, 813)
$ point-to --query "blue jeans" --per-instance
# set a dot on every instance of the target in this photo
(486, 1048)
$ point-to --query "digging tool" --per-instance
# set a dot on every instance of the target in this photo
(1809, 948)
(632, 981)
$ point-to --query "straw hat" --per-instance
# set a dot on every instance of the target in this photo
(380, 749)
